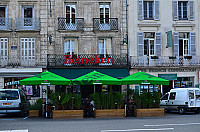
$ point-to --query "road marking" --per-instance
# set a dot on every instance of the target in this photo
(15, 131)
(133, 130)
(174, 124)
(8, 119)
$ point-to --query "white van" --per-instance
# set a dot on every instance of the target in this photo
(181, 99)
(13, 101)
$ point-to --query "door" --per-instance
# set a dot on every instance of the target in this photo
(28, 17)
(191, 102)
(164, 101)
(197, 98)
(70, 17)
(171, 101)
(104, 16)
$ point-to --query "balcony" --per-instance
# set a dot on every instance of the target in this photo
(86, 60)
(6, 24)
(70, 24)
(164, 61)
(27, 24)
(17, 61)
(105, 23)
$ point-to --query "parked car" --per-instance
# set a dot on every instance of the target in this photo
(13, 101)
(182, 99)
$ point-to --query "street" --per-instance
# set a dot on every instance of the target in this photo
(172, 122)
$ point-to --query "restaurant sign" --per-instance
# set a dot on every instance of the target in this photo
(92, 60)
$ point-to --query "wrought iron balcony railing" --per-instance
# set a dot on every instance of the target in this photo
(22, 24)
(19, 61)
(70, 24)
(165, 61)
(105, 23)
(86, 60)
(6, 24)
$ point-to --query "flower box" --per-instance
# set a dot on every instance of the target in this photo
(33, 113)
(172, 57)
(109, 113)
(67, 114)
(187, 57)
(151, 112)
(154, 57)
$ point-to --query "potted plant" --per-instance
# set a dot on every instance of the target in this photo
(148, 105)
(108, 105)
(68, 106)
(35, 110)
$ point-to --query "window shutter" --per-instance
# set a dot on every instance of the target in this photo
(140, 10)
(157, 10)
(175, 9)
(140, 44)
(191, 10)
(193, 43)
(158, 43)
(176, 44)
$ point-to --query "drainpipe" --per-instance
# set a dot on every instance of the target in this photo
(127, 33)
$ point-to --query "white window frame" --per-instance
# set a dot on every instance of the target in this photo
(71, 46)
(104, 48)
(182, 10)
(4, 26)
(149, 45)
(104, 25)
(188, 47)
(71, 25)
(31, 19)
(4, 48)
(27, 52)
(147, 18)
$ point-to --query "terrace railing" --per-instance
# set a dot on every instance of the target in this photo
(22, 24)
(164, 61)
(105, 23)
(6, 24)
(70, 24)
(19, 61)
(86, 60)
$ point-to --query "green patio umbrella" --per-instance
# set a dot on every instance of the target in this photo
(47, 78)
(144, 78)
(96, 77)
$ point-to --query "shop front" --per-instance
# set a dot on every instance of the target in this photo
(182, 77)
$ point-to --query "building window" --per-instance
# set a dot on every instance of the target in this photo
(184, 82)
(182, 10)
(3, 48)
(184, 44)
(28, 15)
(3, 15)
(104, 9)
(70, 13)
(105, 46)
(148, 10)
(28, 48)
(149, 47)
(2, 11)
(70, 46)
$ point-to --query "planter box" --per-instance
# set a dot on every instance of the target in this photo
(152, 112)
(33, 113)
(109, 113)
(67, 114)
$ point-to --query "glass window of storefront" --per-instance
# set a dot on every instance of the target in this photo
(13, 83)
(184, 82)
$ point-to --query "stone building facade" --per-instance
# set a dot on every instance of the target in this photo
(32, 32)
(164, 40)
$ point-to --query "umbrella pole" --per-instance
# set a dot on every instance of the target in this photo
(94, 88)
(46, 100)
